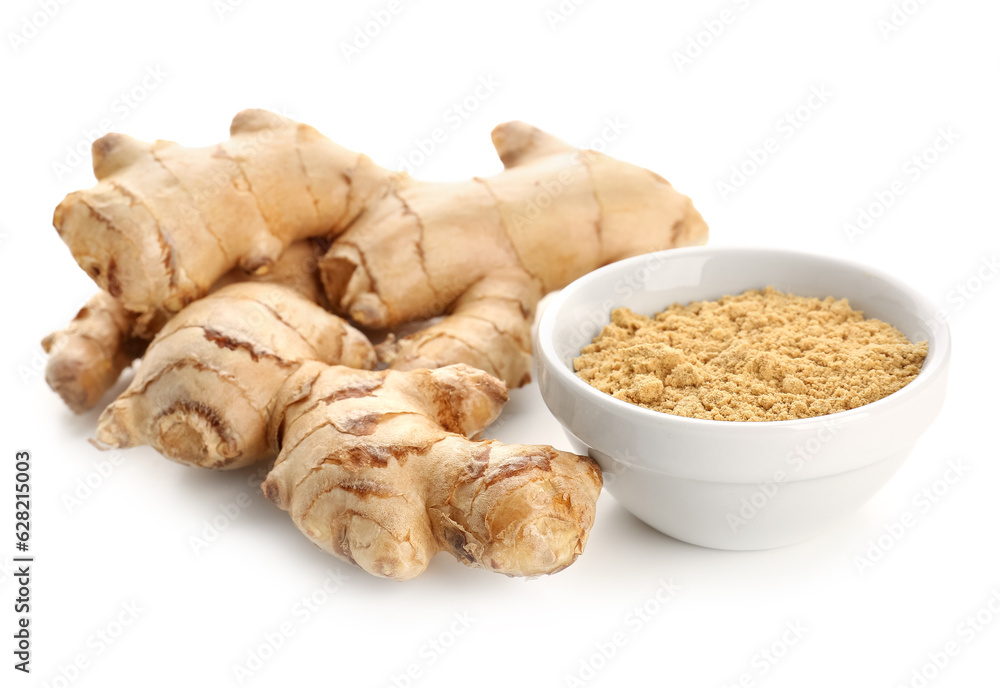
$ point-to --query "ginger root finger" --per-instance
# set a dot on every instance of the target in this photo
(87, 357)
(489, 328)
(378, 469)
(203, 393)
(555, 211)
(165, 222)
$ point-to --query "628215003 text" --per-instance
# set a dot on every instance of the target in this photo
(22, 501)
(22, 573)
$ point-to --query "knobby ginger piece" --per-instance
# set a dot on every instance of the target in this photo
(165, 223)
(205, 389)
(87, 357)
(555, 212)
(378, 469)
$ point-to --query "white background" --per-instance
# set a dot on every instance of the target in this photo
(199, 615)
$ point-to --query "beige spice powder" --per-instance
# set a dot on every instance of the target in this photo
(763, 355)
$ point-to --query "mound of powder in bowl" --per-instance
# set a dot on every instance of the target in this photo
(762, 355)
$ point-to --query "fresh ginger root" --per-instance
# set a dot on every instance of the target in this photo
(378, 469)
(164, 223)
(375, 467)
(555, 212)
(87, 358)
(204, 391)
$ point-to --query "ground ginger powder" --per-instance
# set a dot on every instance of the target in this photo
(762, 355)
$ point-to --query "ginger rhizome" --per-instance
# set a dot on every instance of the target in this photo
(378, 469)
(375, 467)
(87, 358)
(205, 390)
(555, 212)
(219, 265)
(165, 223)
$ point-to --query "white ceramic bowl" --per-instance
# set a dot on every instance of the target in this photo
(737, 485)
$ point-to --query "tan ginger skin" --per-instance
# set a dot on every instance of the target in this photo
(87, 358)
(206, 386)
(379, 468)
(165, 223)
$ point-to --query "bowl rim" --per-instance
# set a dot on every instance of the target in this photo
(939, 342)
